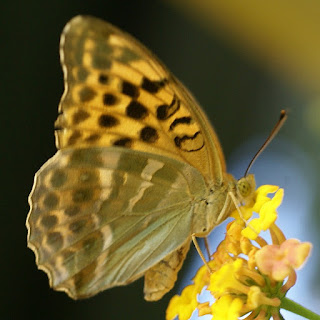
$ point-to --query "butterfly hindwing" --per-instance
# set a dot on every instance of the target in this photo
(160, 278)
(101, 217)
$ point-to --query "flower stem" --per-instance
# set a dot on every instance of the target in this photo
(297, 308)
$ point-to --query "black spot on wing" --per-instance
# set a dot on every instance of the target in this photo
(58, 178)
(107, 121)
(109, 99)
(182, 120)
(77, 226)
(55, 240)
(80, 116)
(82, 74)
(129, 89)
(86, 94)
(185, 141)
(82, 195)
(93, 138)
(124, 142)
(149, 134)
(166, 111)
(76, 135)
(72, 211)
(100, 61)
(136, 110)
(152, 86)
(51, 200)
(103, 78)
(49, 221)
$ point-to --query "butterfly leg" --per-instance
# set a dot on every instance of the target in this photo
(236, 203)
(226, 207)
(195, 242)
(206, 243)
(161, 278)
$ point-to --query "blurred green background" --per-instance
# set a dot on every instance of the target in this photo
(243, 60)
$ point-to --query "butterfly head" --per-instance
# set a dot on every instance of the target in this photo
(246, 187)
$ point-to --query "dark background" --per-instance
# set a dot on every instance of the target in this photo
(242, 98)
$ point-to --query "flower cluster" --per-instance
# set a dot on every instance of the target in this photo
(248, 277)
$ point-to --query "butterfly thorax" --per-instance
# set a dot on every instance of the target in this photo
(217, 205)
(207, 213)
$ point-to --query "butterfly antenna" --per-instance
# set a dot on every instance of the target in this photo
(273, 133)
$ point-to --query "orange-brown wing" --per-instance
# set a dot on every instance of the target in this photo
(118, 94)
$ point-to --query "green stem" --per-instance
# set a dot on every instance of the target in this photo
(297, 308)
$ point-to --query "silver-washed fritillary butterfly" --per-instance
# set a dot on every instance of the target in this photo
(139, 170)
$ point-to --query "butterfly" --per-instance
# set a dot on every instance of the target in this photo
(138, 171)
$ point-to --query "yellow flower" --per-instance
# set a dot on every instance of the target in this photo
(267, 213)
(201, 279)
(225, 280)
(248, 275)
(261, 196)
(258, 200)
(227, 308)
(184, 305)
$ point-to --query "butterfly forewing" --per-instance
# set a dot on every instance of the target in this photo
(117, 93)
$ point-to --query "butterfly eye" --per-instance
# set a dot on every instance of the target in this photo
(245, 186)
